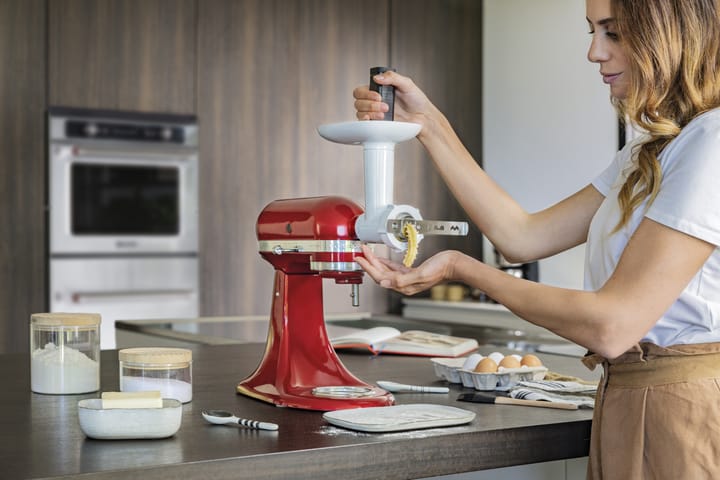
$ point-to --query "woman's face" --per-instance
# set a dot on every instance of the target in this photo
(605, 48)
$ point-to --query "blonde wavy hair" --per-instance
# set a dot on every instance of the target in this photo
(673, 49)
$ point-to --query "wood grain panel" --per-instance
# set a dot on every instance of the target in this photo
(439, 44)
(22, 169)
(123, 54)
(271, 71)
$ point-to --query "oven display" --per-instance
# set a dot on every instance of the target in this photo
(124, 200)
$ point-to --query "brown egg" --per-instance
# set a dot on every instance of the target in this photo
(530, 360)
(486, 365)
(510, 362)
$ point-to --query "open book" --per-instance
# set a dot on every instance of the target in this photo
(411, 342)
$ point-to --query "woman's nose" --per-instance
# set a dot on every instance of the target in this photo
(598, 51)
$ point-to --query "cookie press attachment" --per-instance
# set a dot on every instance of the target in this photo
(308, 239)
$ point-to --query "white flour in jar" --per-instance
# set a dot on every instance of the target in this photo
(63, 370)
(168, 387)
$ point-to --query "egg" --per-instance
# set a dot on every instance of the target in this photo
(510, 362)
(496, 356)
(472, 361)
(519, 358)
(486, 365)
(531, 360)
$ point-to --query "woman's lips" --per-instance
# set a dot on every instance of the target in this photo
(609, 78)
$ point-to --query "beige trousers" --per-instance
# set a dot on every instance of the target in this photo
(657, 414)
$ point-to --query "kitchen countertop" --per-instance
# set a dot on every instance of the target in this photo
(253, 329)
(41, 437)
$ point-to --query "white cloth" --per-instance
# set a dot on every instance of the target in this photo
(688, 201)
(555, 391)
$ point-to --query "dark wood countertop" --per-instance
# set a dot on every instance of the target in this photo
(41, 437)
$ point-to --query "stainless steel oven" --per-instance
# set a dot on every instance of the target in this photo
(123, 214)
(122, 183)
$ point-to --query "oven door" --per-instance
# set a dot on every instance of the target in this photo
(105, 201)
(125, 288)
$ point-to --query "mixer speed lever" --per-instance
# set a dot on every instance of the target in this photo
(428, 227)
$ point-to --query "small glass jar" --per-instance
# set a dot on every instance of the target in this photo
(168, 370)
(65, 353)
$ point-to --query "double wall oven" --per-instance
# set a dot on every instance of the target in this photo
(123, 215)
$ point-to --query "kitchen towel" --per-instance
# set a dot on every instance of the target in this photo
(582, 395)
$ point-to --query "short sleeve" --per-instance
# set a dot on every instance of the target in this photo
(689, 196)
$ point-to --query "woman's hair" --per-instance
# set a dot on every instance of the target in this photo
(673, 51)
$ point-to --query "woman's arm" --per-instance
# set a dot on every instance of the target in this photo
(520, 236)
(656, 265)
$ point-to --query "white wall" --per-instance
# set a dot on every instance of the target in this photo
(548, 127)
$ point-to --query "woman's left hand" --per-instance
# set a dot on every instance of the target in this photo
(408, 281)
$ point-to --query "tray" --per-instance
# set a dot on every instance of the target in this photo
(399, 417)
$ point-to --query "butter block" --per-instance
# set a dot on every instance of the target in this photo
(149, 399)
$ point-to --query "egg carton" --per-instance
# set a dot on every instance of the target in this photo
(448, 368)
(503, 379)
(453, 370)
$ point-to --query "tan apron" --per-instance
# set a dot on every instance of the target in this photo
(657, 414)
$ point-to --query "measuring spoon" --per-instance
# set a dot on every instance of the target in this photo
(222, 417)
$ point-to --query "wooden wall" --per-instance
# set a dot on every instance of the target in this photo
(306, 58)
(22, 169)
(270, 72)
(261, 75)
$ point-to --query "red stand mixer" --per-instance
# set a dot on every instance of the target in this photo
(308, 239)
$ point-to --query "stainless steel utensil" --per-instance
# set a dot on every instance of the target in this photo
(401, 387)
(222, 417)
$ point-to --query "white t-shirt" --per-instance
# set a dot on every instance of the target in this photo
(688, 201)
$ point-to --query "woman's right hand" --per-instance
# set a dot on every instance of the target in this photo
(411, 104)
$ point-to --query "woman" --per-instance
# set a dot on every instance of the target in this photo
(651, 220)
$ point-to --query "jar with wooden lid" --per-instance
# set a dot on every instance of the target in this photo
(65, 353)
(168, 370)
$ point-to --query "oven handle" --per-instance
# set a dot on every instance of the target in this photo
(78, 297)
(167, 153)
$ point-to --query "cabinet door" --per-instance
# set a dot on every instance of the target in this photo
(271, 71)
(122, 54)
(22, 169)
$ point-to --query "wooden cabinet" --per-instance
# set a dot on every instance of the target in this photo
(122, 54)
(22, 169)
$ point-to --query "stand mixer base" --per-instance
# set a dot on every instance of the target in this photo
(300, 368)
(323, 398)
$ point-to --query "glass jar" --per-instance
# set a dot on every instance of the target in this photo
(64, 353)
(168, 370)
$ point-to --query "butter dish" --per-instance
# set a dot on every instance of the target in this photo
(129, 423)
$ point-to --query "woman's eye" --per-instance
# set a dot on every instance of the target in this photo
(612, 35)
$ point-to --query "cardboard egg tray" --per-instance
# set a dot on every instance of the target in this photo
(450, 369)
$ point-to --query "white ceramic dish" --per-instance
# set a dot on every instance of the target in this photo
(399, 417)
(129, 423)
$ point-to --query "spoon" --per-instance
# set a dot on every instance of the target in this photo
(401, 387)
(221, 417)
